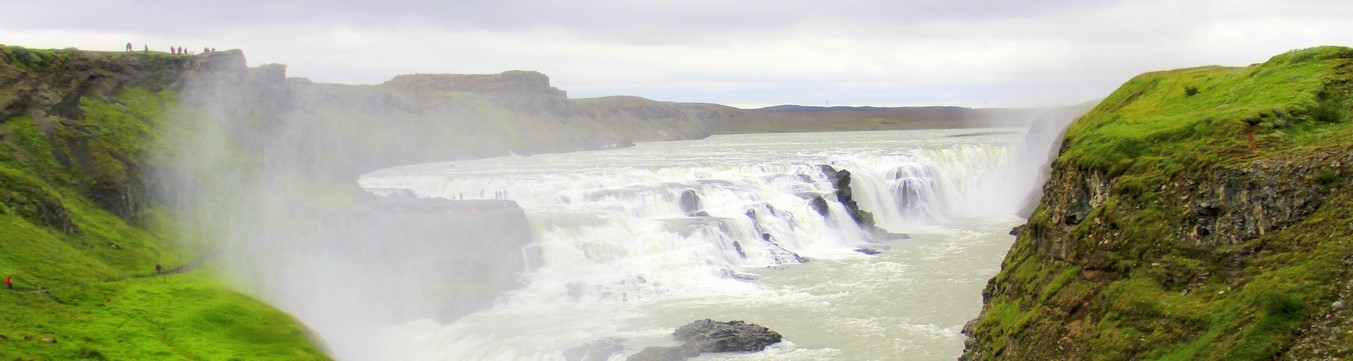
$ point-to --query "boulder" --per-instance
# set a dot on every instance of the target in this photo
(711, 336)
(690, 202)
(819, 205)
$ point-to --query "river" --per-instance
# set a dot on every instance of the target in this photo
(620, 258)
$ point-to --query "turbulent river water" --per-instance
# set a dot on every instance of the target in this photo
(621, 259)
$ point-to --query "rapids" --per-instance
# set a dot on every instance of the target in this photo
(631, 243)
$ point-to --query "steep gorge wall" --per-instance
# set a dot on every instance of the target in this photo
(1194, 214)
(81, 227)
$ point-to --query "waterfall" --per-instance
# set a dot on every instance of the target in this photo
(688, 220)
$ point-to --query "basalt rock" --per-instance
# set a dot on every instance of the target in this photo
(690, 202)
(711, 336)
(1141, 250)
(840, 181)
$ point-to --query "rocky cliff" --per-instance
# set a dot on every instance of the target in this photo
(1198, 213)
(85, 240)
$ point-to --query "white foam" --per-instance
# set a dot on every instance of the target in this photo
(638, 251)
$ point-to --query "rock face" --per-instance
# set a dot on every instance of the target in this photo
(840, 180)
(1225, 241)
(711, 336)
(434, 234)
(841, 183)
(52, 90)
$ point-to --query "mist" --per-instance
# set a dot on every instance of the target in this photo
(264, 183)
(1017, 187)
(264, 171)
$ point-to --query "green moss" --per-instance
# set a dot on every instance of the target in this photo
(1167, 298)
(88, 286)
(1057, 284)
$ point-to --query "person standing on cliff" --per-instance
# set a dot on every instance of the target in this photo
(129, 47)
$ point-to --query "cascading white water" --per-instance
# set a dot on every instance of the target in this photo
(623, 257)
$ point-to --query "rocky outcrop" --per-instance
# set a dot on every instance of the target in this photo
(1224, 240)
(690, 202)
(35, 203)
(99, 155)
(840, 181)
(711, 336)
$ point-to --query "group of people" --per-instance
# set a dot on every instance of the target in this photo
(176, 50)
(499, 194)
(179, 50)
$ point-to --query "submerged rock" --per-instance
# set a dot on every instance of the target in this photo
(711, 336)
(868, 251)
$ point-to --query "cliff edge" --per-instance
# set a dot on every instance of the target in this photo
(96, 268)
(1194, 214)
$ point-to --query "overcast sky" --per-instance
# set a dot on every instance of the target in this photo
(741, 53)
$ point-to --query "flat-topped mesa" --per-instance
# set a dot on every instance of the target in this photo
(513, 81)
(526, 91)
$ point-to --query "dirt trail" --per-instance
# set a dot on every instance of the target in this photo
(165, 271)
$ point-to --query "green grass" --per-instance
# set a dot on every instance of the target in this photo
(1160, 296)
(1129, 131)
(95, 261)
(174, 317)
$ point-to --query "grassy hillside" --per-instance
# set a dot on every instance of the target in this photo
(1194, 214)
(80, 239)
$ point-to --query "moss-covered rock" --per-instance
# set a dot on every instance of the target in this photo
(1211, 224)
(81, 233)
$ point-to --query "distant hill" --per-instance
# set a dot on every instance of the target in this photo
(843, 118)
(635, 117)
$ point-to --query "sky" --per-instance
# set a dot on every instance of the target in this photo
(748, 53)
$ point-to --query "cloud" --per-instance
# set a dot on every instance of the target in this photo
(758, 52)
